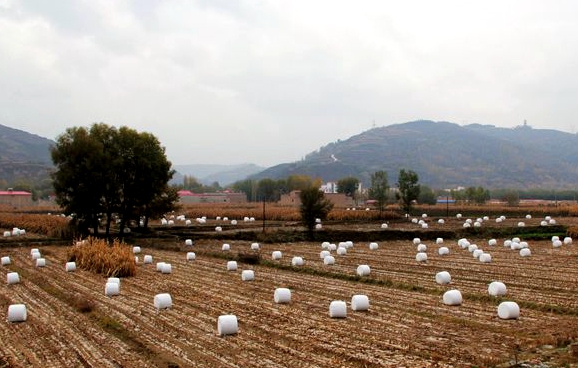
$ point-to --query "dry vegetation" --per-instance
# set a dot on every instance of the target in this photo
(96, 255)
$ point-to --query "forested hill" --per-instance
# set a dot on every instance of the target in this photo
(447, 155)
(23, 155)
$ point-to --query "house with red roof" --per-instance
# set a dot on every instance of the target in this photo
(15, 198)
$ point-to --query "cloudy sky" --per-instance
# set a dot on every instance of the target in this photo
(266, 82)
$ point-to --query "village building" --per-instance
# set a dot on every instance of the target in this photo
(16, 198)
(187, 197)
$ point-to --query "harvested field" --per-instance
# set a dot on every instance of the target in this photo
(72, 323)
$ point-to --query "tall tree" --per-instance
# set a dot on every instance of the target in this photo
(379, 190)
(313, 205)
(426, 195)
(408, 188)
(348, 186)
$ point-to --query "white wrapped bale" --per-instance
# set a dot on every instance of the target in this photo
(424, 226)
(452, 297)
(469, 221)
(363, 270)
(113, 279)
(282, 296)
(232, 266)
(373, 246)
(543, 223)
(40, 262)
(297, 261)
(227, 325)
(384, 226)
(477, 253)
(528, 217)
(416, 241)
(441, 221)
(160, 266)
(486, 258)
(191, 256)
(568, 240)
(497, 288)
(443, 278)
(276, 255)
(34, 250)
(318, 226)
(248, 275)
(523, 244)
(12, 278)
(439, 241)
(36, 255)
(255, 246)
(163, 301)
(424, 215)
(462, 242)
(17, 313)
(333, 247)
(233, 222)
(226, 247)
(70, 266)
(486, 218)
(498, 220)
(442, 251)
(508, 310)
(359, 302)
(521, 224)
(324, 253)
(148, 259)
(188, 242)
(477, 224)
(492, 242)
(5, 261)
(329, 260)
(459, 216)
(136, 250)
(525, 252)
(421, 247)
(472, 248)
(348, 244)
(555, 237)
(414, 220)
(325, 245)
(341, 251)
(507, 243)
(466, 225)
(218, 229)
(136, 259)
(188, 222)
(338, 309)
(548, 218)
(111, 289)
(15, 231)
(166, 268)
(557, 244)
(7, 234)
(552, 222)
(421, 257)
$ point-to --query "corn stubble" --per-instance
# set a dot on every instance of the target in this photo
(96, 255)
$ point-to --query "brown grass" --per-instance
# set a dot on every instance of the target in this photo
(48, 225)
(116, 260)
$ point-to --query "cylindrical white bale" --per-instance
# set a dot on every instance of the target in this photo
(516, 240)
(424, 215)
(70, 266)
(227, 325)
(7, 234)
(507, 243)
(497, 288)
(556, 243)
(525, 252)
(111, 289)
(12, 278)
(555, 237)
(226, 247)
(477, 253)
(276, 255)
(459, 215)
(17, 313)
(498, 220)
(188, 242)
(492, 242)
(421, 247)
(543, 223)
(325, 245)
(297, 261)
(317, 220)
(414, 220)
(472, 247)
(282, 296)
(136, 250)
(248, 275)
(466, 225)
(552, 222)
(324, 253)
(424, 226)
(421, 222)
(477, 224)
(443, 251)
(452, 297)
(6, 261)
(332, 247)
(567, 240)
(160, 266)
(318, 226)
(232, 266)
(188, 222)
(528, 217)
(363, 270)
(329, 260)
(40, 262)
(163, 301)
(191, 256)
(36, 255)
(486, 218)
(521, 224)
(508, 310)
(441, 221)
(421, 257)
(167, 268)
(548, 218)
(136, 259)
(469, 221)
(218, 229)
(338, 309)
(416, 241)
(523, 244)
(341, 251)
(113, 279)
(462, 242)
(485, 258)
(255, 246)
(35, 250)
(373, 246)
(148, 259)
(359, 302)
(233, 222)
(348, 244)
(384, 226)
(439, 241)
(443, 277)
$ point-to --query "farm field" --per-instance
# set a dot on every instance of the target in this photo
(72, 323)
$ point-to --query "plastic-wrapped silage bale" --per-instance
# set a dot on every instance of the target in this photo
(421, 257)
(12, 278)
(341, 251)
(363, 270)
(191, 256)
(166, 268)
(416, 241)
(111, 289)
(232, 266)
(136, 249)
(525, 252)
(329, 260)
(338, 309)
(477, 253)
(384, 226)
(248, 275)
(556, 243)
(359, 302)
(485, 258)
(40, 262)
(70, 266)
(439, 241)
(276, 255)
(442, 251)
(188, 242)
(567, 240)
(373, 246)
(443, 278)
(226, 247)
(452, 297)
(17, 313)
(282, 296)
(497, 288)
(5, 261)
(325, 245)
(227, 325)
(421, 247)
(508, 310)
(148, 259)
(163, 301)
(324, 253)
(160, 266)
(297, 261)
(492, 242)
(255, 246)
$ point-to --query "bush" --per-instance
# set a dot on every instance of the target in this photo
(97, 256)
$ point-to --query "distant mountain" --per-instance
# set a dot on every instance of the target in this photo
(446, 155)
(23, 155)
(224, 174)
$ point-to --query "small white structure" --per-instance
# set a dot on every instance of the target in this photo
(276, 255)
(163, 301)
(232, 266)
(17, 313)
(363, 270)
(442, 251)
(282, 296)
(226, 247)
(359, 302)
(188, 242)
(147, 259)
(12, 278)
(497, 288)
(373, 246)
(421, 257)
(136, 249)
(248, 275)
(5, 261)
(255, 246)
(191, 256)
(297, 261)
(443, 278)
(452, 297)
(70, 266)
(508, 310)
(112, 289)
(227, 325)
(338, 309)
(329, 260)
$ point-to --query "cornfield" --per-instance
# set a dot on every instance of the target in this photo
(51, 226)
(96, 255)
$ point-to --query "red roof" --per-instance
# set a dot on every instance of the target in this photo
(14, 192)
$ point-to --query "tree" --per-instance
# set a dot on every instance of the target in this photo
(511, 197)
(408, 189)
(313, 205)
(348, 186)
(107, 171)
(379, 190)
(426, 195)
(267, 190)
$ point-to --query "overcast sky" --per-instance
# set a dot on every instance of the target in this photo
(266, 82)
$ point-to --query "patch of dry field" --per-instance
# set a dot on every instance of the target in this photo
(71, 322)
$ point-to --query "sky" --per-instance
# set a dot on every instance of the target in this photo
(267, 82)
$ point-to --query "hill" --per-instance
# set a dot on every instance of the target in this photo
(447, 155)
(23, 155)
(224, 174)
